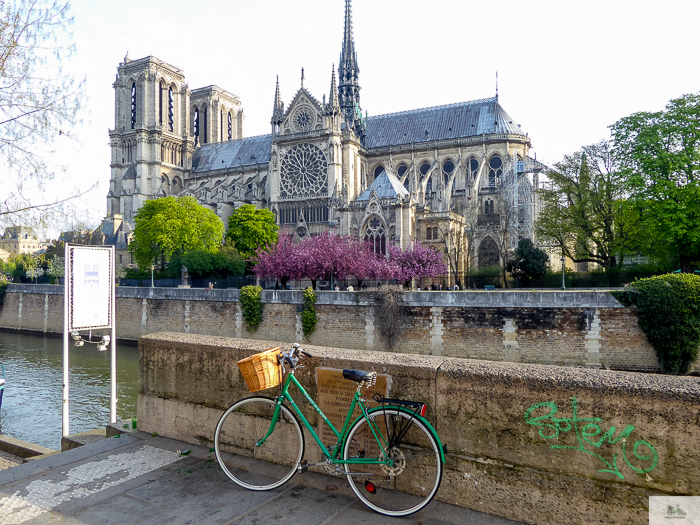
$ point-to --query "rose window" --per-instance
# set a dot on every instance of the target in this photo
(303, 119)
(304, 172)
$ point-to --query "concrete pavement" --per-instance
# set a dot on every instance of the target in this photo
(140, 479)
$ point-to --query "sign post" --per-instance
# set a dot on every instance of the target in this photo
(88, 304)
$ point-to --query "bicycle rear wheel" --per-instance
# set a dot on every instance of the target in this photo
(413, 479)
(237, 438)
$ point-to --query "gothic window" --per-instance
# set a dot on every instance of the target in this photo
(133, 105)
(495, 170)
(431, 233)
(205, 124)
(171, 112)
(230, 126)
(429, 186)
(378, 171)
(303, 119)
(221, 126)
(160, 104)
(375, 234)
(447, 168)
(195, 125)
(424, 168)
(472, 169)
(304, 172)
(488, 207)
(488, 253)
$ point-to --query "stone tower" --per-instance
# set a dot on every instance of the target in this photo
(158, 124)
(151, 143)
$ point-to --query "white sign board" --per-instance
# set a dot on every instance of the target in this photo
(92, 279)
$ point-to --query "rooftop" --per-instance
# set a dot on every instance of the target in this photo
(463, 119)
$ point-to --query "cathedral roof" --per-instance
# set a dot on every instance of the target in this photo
(130, 173)
(232, 154)
(387, 186)
(464, 119)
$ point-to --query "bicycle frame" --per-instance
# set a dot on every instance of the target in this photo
(333, 455)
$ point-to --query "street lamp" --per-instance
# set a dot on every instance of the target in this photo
(152, 268)
(563, 266)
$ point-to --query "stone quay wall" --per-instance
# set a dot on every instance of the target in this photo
(532, 443)
(583, 329)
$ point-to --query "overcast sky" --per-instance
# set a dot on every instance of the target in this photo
(567, 70)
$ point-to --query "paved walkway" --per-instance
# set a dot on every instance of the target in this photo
(139, 479)
(8, 460)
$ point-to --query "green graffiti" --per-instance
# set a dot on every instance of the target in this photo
(589, 433)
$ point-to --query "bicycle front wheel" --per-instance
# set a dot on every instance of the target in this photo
(413, 478)
(241, 451)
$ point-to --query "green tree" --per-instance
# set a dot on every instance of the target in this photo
(668, 311)
(173, 225)
(250, 228)
(224, 263)
(585, 213)
(659, 157)
(39, 102)
(527, 262)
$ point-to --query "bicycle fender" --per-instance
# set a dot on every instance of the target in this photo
(422, 420)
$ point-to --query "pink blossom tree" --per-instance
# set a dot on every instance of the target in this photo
(416, 262)
(279, 261)
(326, 256)
(365, 264)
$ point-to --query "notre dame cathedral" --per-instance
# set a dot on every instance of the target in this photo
(422, 174)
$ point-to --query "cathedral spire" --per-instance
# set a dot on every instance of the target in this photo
(333, 101)
(278, 110)
(278, 98)
(348, 70)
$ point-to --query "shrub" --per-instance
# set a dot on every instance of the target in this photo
(668, 312)
(3, 288)
(252, 307)
(390, 311)
(308, 314)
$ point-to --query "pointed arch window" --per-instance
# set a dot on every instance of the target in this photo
(221, 126)
(133, 105)
(195, 125)
(495, 170)
(230, 126)
(402, 171)
(378, 171)
(375, 234)
(472, 169)
(171, 109)
(447, 168)
(205, 124)
(160, 104)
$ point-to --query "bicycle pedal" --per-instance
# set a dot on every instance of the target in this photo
(303, 466)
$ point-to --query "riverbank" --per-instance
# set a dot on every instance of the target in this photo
(567, 328)
(32, 402)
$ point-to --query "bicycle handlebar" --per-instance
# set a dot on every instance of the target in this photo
(288, 357)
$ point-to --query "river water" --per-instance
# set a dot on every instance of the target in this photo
(31, 405)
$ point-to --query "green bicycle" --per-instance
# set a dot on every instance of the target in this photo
(390, 454)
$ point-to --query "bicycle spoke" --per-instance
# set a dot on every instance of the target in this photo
(241, 450)
(412, 480)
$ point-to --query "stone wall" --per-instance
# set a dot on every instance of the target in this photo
(585, 329)
(537, 444)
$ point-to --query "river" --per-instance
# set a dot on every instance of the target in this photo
(31, 406)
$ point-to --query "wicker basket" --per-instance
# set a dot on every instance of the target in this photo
(261, 371)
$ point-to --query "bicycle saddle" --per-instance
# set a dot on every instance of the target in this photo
(357, 375)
